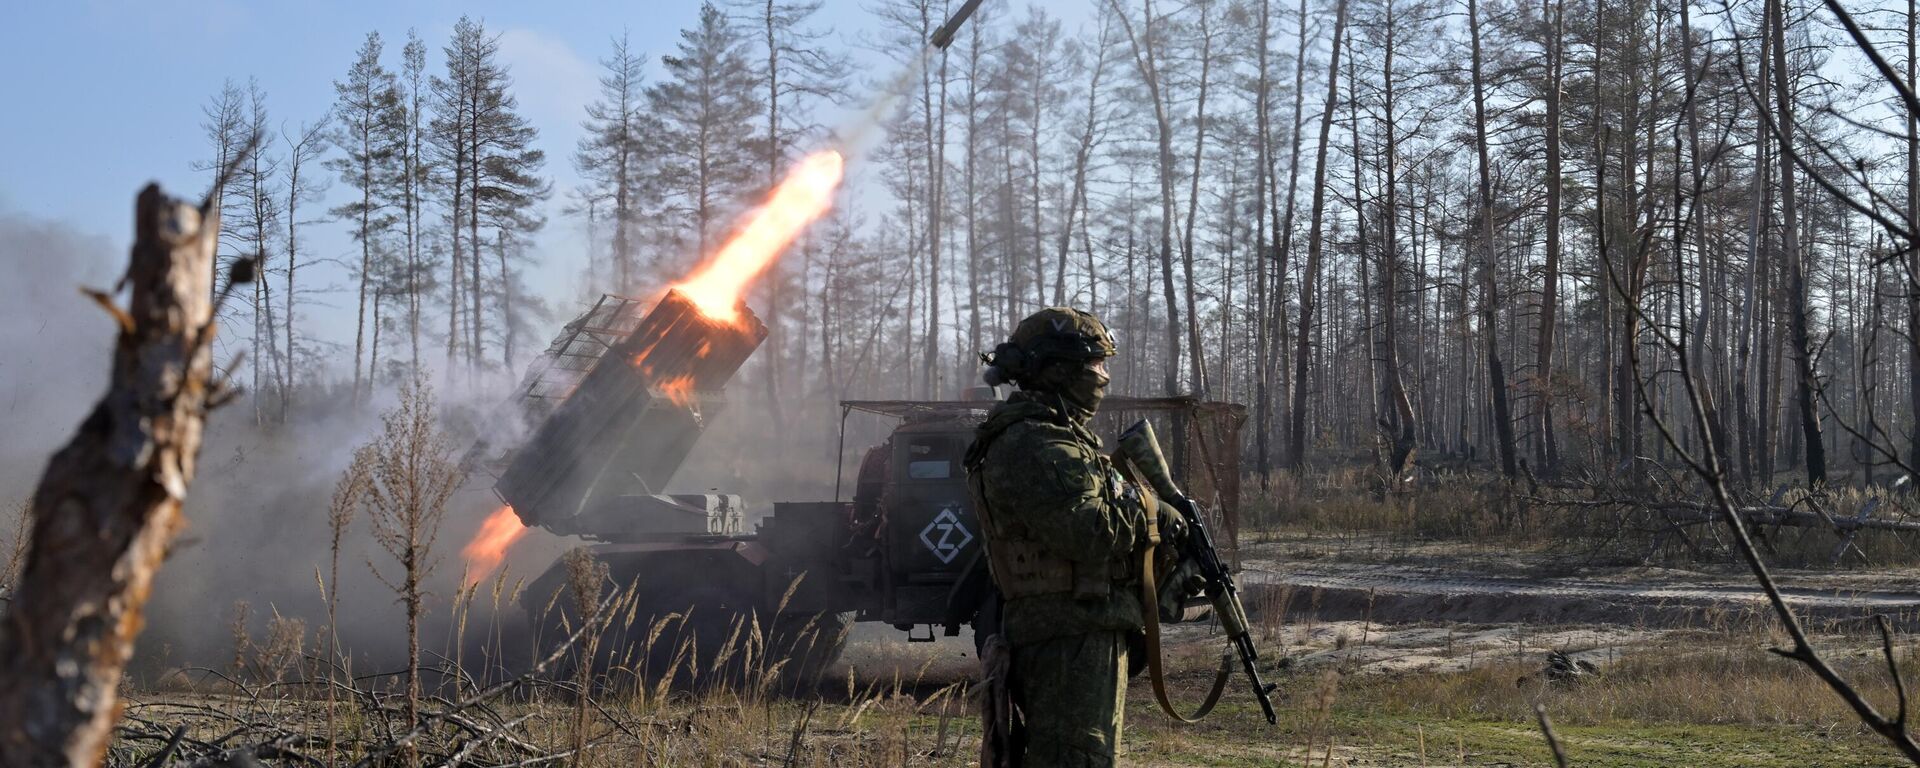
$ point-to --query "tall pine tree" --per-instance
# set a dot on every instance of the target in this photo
(365, 106)
(495, 184)
(610, 156)
(707, 107)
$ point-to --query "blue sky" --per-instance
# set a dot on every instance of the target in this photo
(105, 96)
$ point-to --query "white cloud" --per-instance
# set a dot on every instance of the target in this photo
(554, 85)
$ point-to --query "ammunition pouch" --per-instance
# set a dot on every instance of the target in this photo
(1022, 567)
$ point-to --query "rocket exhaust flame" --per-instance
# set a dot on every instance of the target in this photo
(678, 390)
(489, 547)
(803, 196)
(714, 290)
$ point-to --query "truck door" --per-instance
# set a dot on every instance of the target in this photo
(932, 533)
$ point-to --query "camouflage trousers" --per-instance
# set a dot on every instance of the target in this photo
(1072, 694)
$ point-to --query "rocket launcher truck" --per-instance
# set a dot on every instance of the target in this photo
(618, 402)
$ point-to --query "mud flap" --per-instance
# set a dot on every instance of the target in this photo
(968, 598)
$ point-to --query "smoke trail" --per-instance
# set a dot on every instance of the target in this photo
(858, 135)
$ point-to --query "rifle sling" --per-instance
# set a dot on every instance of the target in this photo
(1150, 606)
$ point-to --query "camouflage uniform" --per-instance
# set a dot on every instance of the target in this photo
(1060, 532)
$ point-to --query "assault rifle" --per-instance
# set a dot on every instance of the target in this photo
(1139, 446)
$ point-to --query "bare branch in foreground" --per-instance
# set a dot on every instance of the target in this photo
(1546, 730)
(1710, 468)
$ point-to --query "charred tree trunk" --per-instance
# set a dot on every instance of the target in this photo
(109, 503)
(1489, 285)
(1283, 223)
(1547, 455)
(1913, 252)
(1309, 282)
(1264, 364)
(1756, 251)
(1689, 224)
(1402, 428)
(1145, 58)
(1197, 362)
(1798, 311)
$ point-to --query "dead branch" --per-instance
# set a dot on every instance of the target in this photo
(1708, 466)
(429, 720)
(1546, 731)
(1696, 513)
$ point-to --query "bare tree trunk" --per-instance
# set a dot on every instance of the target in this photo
(1799, 314)
(411, 197)
(936, 119)
(1489, 284)
(298, 154)
(1143, 55)
(476, 288)
(1283, 225)
(973, 207)
(1913, 252)
(366, 254)
(1197, 361)
(1082, 158)
(1309, 282)
(1691, 223)
(457, 279)
(1224, 367)
(506, 301)
(1604, 329)
(1548, 454)
(1264, 364)
(1394, 399)
(265, 356)
(1756, 251)
(109, 503)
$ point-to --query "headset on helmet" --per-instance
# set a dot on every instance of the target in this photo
(1054, 333)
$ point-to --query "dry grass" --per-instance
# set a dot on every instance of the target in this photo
(1688, 696)
(1685, 680)
(1349, 509)
(1707, 697)
(731, 714)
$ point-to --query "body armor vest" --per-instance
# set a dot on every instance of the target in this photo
(1021, 566)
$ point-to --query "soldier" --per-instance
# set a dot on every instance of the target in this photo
(1061, 531)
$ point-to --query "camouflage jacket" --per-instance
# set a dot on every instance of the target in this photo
(1059, 534)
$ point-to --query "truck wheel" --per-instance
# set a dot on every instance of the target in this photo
(807, 643)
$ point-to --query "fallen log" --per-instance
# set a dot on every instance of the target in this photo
(1788, 516)
(108, 505)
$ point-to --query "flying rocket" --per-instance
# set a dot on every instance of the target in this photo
(943, 36)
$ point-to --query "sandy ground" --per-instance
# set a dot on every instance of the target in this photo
(1427, 583)
(1433, 608)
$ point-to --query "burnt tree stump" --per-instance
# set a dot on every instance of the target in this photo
(108, 505)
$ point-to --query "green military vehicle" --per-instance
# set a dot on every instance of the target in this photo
(615, 406)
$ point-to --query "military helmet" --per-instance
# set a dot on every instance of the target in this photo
(1054, 333)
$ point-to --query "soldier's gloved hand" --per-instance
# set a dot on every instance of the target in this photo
(1173, 525)
(1178, 585)
(1135, 503)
